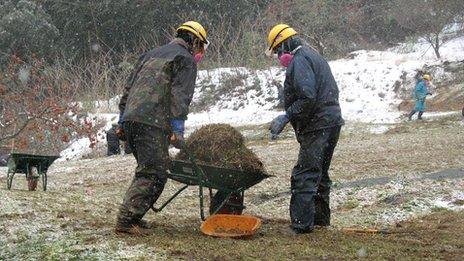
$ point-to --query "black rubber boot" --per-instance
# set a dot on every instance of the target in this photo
(322, 214)
(419, 117)
(411, 114)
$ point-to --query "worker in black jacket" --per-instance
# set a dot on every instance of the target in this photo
(311, 106)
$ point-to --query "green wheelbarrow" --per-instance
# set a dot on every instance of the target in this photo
(34, 166)
(227, 182)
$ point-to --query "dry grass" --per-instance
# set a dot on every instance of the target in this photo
(434, 237)
(405, 150)
(74, 219)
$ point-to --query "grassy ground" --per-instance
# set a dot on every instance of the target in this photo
(433, 237)
(74, 219)
(405, 149)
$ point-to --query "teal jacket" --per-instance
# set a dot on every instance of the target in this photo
(420, 92)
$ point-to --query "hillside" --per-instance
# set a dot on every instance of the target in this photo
(373, 85)
(375, 88)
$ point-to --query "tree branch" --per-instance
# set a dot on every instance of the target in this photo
(15, 134)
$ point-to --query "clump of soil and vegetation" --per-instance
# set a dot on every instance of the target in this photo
(221, 145)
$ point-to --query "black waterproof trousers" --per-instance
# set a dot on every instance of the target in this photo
(112, 143)
(310, 182)
(150, 148)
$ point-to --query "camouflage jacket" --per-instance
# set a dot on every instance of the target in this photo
(161, 86)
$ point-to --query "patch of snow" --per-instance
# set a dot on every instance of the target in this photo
(110, 105)
(452, 50)
(366, 82)
(440, 114)
(81, 147)
(451, 203)
(246, 116)
(379, 129)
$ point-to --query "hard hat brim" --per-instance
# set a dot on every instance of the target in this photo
(193, 31)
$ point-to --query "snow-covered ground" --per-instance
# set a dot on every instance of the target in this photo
(366, 82)
(241, 96)
(81, 147)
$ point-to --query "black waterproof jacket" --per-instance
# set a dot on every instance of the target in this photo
(311, 93)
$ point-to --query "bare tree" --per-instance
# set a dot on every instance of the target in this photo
(323, 22)
(428, 17)
(36, 114)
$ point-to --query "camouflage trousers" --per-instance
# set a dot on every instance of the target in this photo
(310, 182)
(150, 148)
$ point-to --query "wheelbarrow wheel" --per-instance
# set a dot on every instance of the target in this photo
(234, 205)
(32, 179)
(9, 180)
(44, 181)
(32, 183)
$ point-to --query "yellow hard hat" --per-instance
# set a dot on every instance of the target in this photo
(426, 77)
(278, 34)
(195, 28)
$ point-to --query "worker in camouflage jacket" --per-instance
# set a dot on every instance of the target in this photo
(153, 110)
(311, 106)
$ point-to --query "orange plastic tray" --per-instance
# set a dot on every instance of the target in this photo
(224, 225)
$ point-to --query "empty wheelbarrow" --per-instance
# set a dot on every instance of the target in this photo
(34, 166)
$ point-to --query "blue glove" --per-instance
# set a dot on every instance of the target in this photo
(178, 127)
(121, 119)
(120, 129)
(278, 125)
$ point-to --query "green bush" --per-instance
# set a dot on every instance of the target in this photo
(25, 29)
(83, 30)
